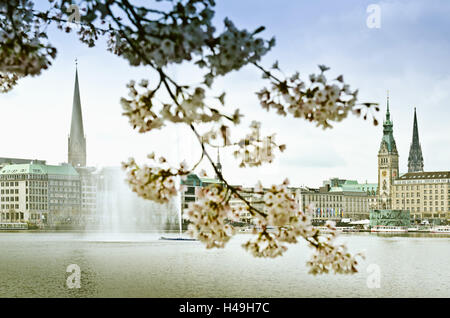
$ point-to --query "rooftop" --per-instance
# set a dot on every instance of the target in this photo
(31, 168)
(5, 160)
(425, 175)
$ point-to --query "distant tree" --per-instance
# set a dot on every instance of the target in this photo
(176, 31)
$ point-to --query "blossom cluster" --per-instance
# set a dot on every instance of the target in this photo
(209, 215)
(153, 182)
(7, 81)
(173, 38)
(281, 213)
(321, 101)
(254, 150)
(24, 50)
(235, 48)
(139, 109)
(192, 108)
(329, 257)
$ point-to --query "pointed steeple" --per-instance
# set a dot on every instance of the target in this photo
(415, 159)
(218, 164)
(77, 140)
(388, 114)
(388, 131)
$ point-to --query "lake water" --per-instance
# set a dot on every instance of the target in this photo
(33, 264)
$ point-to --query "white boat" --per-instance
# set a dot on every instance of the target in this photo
(424, 229)
(389, 229)
(346, 229)
(441, 229)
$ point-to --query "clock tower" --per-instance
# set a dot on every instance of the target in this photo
(387, 163)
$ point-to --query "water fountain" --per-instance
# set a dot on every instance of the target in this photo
(178, 205)
(120, 212)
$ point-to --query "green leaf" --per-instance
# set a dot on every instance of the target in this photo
(221, 98)
(323, 68)
(275, 66)
(260, 29)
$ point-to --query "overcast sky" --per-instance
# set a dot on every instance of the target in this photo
(408, 55)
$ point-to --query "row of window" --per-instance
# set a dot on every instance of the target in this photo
(326, 198)
(22, 177)
(417, 187)
(7, 199)
(418, 193)
(9, 206)
(436, 197)
(424, 202)
(7, 191)
(430, 209)
(9, 216)
(10, 184)
(40, 183)
(33, 198)
(32, 206)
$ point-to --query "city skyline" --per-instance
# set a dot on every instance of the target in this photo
(43, 104)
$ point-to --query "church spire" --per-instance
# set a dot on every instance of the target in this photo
(388, 114)
(415, 159)
(77, 140)
(218, 164)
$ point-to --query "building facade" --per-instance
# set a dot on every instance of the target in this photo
(425, 195)
(40, 194)
(338, 199)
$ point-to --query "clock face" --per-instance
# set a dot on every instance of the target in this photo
(394, 173)
(384, 173)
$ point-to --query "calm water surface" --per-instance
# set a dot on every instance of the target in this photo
(139, 265)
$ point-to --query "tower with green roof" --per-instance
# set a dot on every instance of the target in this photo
(387, 162)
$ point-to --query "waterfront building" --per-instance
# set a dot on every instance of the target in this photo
(193, 182)
(255, 199)
(337, 199)
(425, 195)
(39, 193)
(89, 181)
